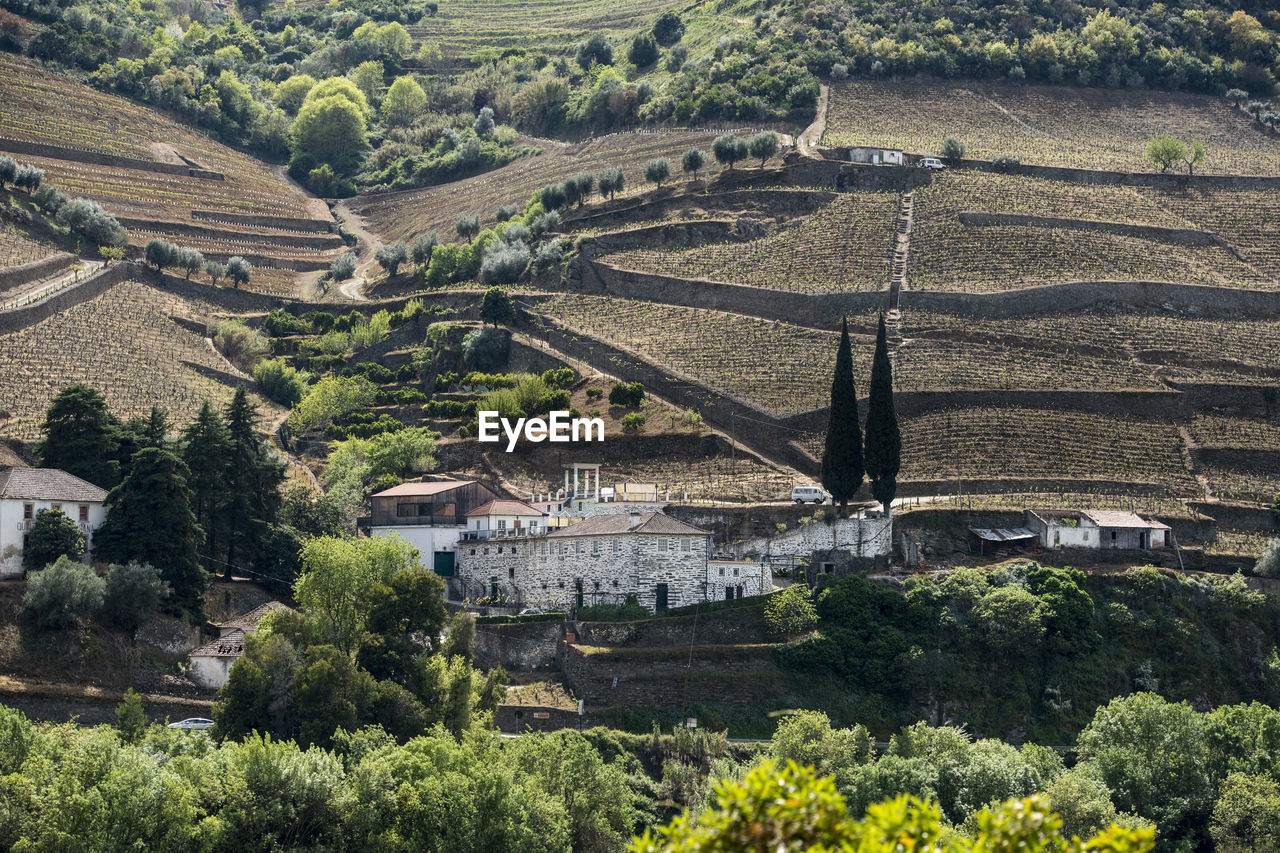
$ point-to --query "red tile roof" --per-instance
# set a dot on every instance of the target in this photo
(506, 507)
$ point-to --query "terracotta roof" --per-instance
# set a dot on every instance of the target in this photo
(505, 507)
(249, 621)
(47, 484)
(1120, 518)
(230, 646)
(613, 524)
(423, 489)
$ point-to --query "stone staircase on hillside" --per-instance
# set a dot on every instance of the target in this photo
(898, 278)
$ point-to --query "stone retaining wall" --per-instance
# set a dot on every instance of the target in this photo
(518, 646)
(292, 241)
(11, 277)
(283, 223)
(725, 675)
(1181, 236)
(57, 152)
(56, 303)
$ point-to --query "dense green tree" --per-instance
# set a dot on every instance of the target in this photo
(643, 51)
(657, 170)
(253, 476)
(1153, 755)
(205, 451)
(1246, 817)
(692, 161)
(239, 271)
(63, 592)
(763, 145)
(611, 182)
(668, 29)
(729, 149)
(1165, 150)
(596, 50)
(51, 535)
(134, 592)
(497, 307)
(405, 100)
(80, 436)
(330, 131)
(883, 454)
(257, 695)
(338, 575)
(842, 465)
(330, 692)
(405, 619)
(390, 256)
(808, 739)
(131, 719)
(150, 520)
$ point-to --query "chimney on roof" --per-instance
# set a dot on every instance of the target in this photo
(635, 519)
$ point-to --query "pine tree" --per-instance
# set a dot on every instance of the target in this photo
(253, 478)
(80, 436)
(883, 455)
(842, 457)
(149, 520)
(156, 431)
(205, 450)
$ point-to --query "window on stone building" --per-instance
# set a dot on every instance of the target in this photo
(511, 572)
(486, 550)
(617, 546)
(595, 547)
(84, 512)
(28, 511)
(662, 544)
(687, 544)
(473, 551)
(722, 571)
(735, 571)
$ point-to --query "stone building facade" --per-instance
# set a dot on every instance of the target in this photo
(603, 559)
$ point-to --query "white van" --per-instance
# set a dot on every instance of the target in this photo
(932, 163)
(807, 494)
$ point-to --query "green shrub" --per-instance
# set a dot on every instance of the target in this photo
(63, 593)
(243, 347)
(134, 591)
(625, 394)
(790, 612)
(52, 535)
(1268, 565)
(634, 422)
(281, 382)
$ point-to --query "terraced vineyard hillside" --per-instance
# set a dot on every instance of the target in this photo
(401, 215)
(136, 343)
(160, 177)
(1046, 125)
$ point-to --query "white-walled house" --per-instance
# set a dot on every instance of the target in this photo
(26, 491)
(601, 559)
(1097, 529)
(432, 516)
(500, 518)
(211, 663)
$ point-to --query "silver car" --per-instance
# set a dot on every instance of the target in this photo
(199, 723)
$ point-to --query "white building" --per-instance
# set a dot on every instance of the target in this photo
(876, 156)
(500, 518)
(661, 561)
(432, 516)
(1097, 529)
(26, 491)
(211, 663)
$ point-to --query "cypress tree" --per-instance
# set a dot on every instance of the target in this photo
(883, 456)
(156, 430)
(842, 457)
(150, 520)
(205, 448)
(81, 436)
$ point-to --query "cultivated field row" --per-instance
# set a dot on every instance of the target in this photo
(1046, 125)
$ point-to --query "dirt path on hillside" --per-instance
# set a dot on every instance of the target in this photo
(812, 135)
(367, 243)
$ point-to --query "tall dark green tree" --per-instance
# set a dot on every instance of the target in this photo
(253, 478)
(149, 519)
(80, 436)
(52, 535)
(156, 430)
(842, 468)
(883, 456)
(205, 451)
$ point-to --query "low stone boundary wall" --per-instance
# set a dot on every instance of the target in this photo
(55, 303)
(284, 223)
(95, 158)
(654, 678)
(518, 646)
(11, 277)
(1071, 296)
(1181, 236)
(180, 229)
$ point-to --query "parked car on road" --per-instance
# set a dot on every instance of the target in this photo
(932, 163)
(192, 723)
